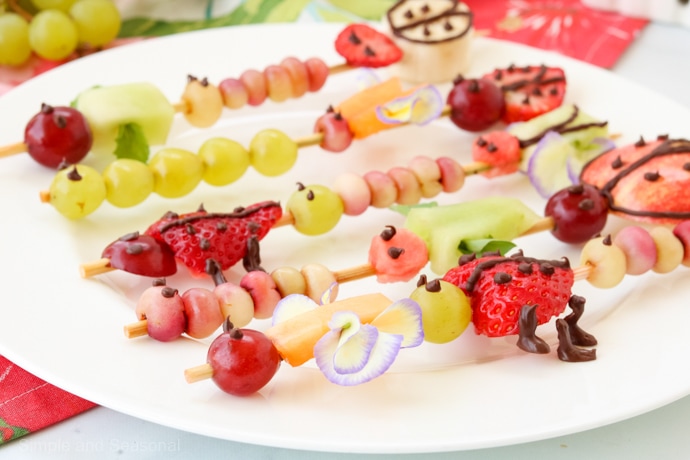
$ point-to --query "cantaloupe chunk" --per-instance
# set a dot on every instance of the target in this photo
(360, 109)
(295, 338)
(106, 108)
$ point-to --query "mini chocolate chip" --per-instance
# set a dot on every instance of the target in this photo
(459, 79)
(586, 205)
(238, 209)
(158, 282)
(310, 195)
(191, 78)
(448, 26)
(221, 226)
(502, 278)
(481, 142)
(300, 186)
(607, 240)
(426, 31)
(46, 108)
(422, 280)
(498, 76)
(547, 269)
(554, 91)
(491, 148)
(425, 9)
(473, 86)
(236, 333)
(536, 91)
(129, 236)
(354, 39)
(394, 252)
(74, 174)
(190, 229)
(60, 121)
(338, 116)
(525, 268)
(466, 258)
(204, 81)
(330, 109)
(517, 254)
(134, 249)
(511, 68)
(368, 51)
(640, 142)
(525, 101)
(408, 14)
(168, 292)
(652, 176)
(204, 244)
(686, 166)
(170, 215)
(662, 137)
(227, 325)
(577, 189)
(253, 227)
(388, 233)
(201, 208)
(617, 163)
(433, 285)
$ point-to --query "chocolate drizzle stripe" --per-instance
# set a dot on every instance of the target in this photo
(668, 147)
(450, 12)
(534, 139)
(245, 212)
(473, 279)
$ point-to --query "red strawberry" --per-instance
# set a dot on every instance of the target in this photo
(364, 46)
(500, 149)
(498, 287)
(199, 236)
(529, 91)
(645, 181)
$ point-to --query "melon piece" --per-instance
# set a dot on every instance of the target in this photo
(360, 109)
(397, 255)
(295, 338)
(444, 228)
(106, 108)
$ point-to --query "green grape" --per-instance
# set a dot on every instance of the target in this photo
(176, 172)
(127, 182)
(272, 152)
(52, 34)
(315, 209)
(77, 191)
(225, 160)
(62, 5)
(446, 311)
(98, 21)
(14, 40)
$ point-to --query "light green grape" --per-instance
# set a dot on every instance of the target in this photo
(14, 40)
(98, 21)
(446, 311)
(176, 172)
(77, 191)
(127, 182)
(52, 34)
(315, 209)
(225, 160)
(272, 152)
(62, 5)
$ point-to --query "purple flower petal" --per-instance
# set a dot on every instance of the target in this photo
(402, 317)
(290, 306)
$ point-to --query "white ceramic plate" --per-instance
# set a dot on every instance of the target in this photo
(472, 393)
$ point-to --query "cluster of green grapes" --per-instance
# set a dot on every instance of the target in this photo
(53, 29)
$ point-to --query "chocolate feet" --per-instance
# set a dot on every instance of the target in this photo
(527, 339)
(577, 335)
(567, 351)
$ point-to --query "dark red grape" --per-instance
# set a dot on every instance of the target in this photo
(579, 213)
(475, 104)
(58, 135)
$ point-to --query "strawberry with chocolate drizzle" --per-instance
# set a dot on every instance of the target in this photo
(513, 295)
(645, 181)
(225, 237)
(364, 46)
(530, 90)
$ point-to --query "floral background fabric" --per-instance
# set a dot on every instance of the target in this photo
(28, 403)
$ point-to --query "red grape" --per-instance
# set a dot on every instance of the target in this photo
(57, 135)
(243, 360)
(476, 104)
(579, 213)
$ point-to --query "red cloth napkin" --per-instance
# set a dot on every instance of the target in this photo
(565, 26)
(28, 403)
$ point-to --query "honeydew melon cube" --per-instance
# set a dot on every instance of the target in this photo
(443, 228)
(106, 108)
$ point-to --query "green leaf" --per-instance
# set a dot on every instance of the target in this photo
(17, 432)
(405, 209)
(480, 246)
(131, 143)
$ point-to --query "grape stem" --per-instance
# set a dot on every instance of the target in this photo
(14, 6)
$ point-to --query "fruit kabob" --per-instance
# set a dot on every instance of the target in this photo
(104, 119)
(79, 190)
(501, 295)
